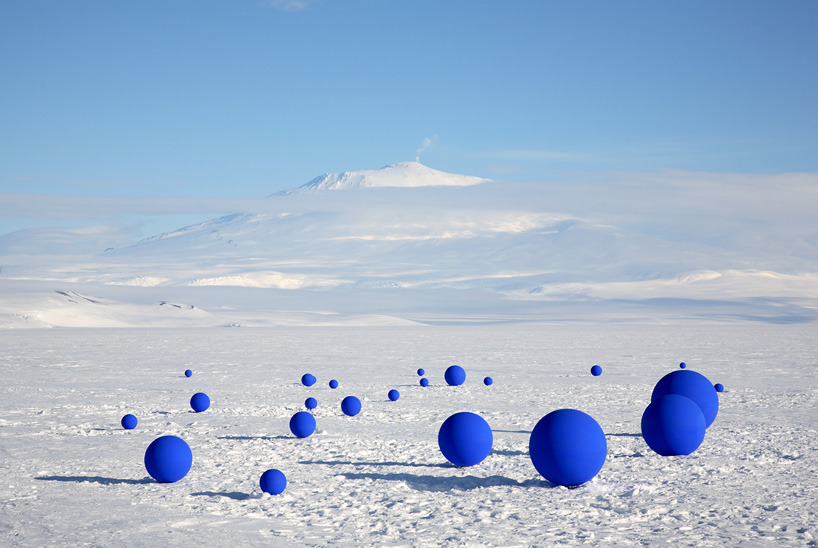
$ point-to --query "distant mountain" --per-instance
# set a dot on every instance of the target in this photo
(402, 174)
(407, 244)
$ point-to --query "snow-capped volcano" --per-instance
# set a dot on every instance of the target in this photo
(402, 174)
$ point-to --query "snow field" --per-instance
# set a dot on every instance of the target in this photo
(69, 474)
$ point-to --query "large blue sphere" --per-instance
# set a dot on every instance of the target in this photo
(596, 370)
(308, 379)
(351, 406)
(673, 425)
(310, 403)
(302, 424)
(188, 373)
(200, 402)
(128, 422)
(568, 447)
(455, 375)
(690, 384)
(393, 395)
(168, 459)
(273, 482)
(465, 439)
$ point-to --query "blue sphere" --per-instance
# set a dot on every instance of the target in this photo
(333, 384)
(310, 403)
(596, 370)
(188, 373)
(465, 439)
(308, 379)
(719, 387)
(129, 422)
(302, 424)
(455, 375)
(273, 482)
(690, 384)
(393, 395)
(424, 381)
(488, 381)
(200, 402)
(682, 365)
(673, 425)
(168, 459)
(351, 406)
(568, 447)
(421, 372)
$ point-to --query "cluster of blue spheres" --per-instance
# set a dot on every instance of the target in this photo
(273, 482)
(200, 402)
(168, 459)
(683, 405)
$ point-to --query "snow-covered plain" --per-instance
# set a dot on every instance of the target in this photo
(70, 475)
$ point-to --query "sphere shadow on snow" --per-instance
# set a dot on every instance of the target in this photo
(362, 463)
(235, 495)
(96, 479)
(450, 483)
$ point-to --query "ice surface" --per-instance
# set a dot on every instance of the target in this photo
(70, 475)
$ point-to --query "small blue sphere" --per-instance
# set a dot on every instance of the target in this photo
(200, 402)
(596, 370)
(351, 406)
(310, 403)
(465, 439)
(455, 375)
(129, 422)
(488, 381)
(673, 425)
(393, 395)
(719, 387)
(568, 447)
(273, 482)
(333, 384)
(302, 424)
(168, 459)
(308, 379)
(690, 384)
(424, 381)
(421, 372)
(188, 373)
(682, 365)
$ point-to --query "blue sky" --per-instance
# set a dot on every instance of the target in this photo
(209, 100)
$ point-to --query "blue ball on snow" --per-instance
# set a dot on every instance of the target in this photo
(351, 406)
(682, 365)
(308, 379)
(488, 381)
(596, 370)
(673, 425)
(568, 447)
(200, 402)
(693, 385)
(273, 482)
(310, 403)
(465, 439)
(168, 459)
(188, 373)
(129, 422)
(421, 372)
(302, 424)
(719, 387)
(455, 375)
(333, 384)
(393, 395)
(424, 381)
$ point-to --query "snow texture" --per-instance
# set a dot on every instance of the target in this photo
(70, 475)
